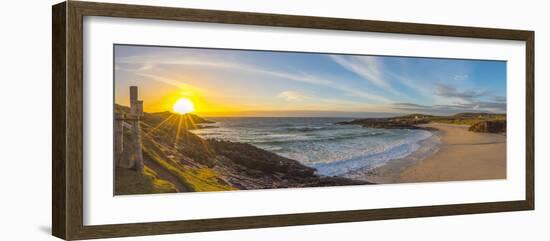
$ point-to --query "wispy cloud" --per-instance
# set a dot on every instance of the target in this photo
(180, 84)
(455, 100)
(450, 91)
(411, 87)
(305, 78)
(406, 105)
(499, 98)
(461, 77)
(421, 87)
(298, 77)
(475, 106)
(148, 61)
(291, 95)
(377, 82)
(367, 67)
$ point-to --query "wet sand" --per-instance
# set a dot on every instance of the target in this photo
(462, 155)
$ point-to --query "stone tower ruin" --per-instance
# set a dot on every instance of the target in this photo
(128, 151)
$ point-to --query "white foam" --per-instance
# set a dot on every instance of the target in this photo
(366, 160)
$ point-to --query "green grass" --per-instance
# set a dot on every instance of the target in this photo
(132, 182)
(196, 179)
(466, 121)
(161, 185)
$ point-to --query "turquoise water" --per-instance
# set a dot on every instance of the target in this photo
(333, 150)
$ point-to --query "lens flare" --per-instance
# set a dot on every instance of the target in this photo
(183, 106)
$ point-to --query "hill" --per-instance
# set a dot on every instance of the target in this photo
(412, 120)
(190, 121)
(470, 118)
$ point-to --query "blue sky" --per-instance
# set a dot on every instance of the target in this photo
(264, 83)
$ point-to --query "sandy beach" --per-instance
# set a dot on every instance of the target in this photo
(462, 155)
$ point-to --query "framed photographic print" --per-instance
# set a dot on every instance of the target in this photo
(171, 120)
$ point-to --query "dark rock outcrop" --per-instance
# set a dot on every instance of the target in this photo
(254, 168)
(255, 158)
(494, 126)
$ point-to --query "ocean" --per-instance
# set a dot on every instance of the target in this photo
(332, 149)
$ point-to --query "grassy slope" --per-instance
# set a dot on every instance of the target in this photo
(468, 118)
(130, 182)
(156, 148)
(195, 178)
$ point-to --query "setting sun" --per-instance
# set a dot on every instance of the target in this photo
(183, 106)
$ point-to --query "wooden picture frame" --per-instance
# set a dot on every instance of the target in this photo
(67, 152)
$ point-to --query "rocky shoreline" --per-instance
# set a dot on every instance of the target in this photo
(193, 164)
(177, 160)
(248, 167)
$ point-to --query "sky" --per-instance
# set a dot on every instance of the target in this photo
(222, 82)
